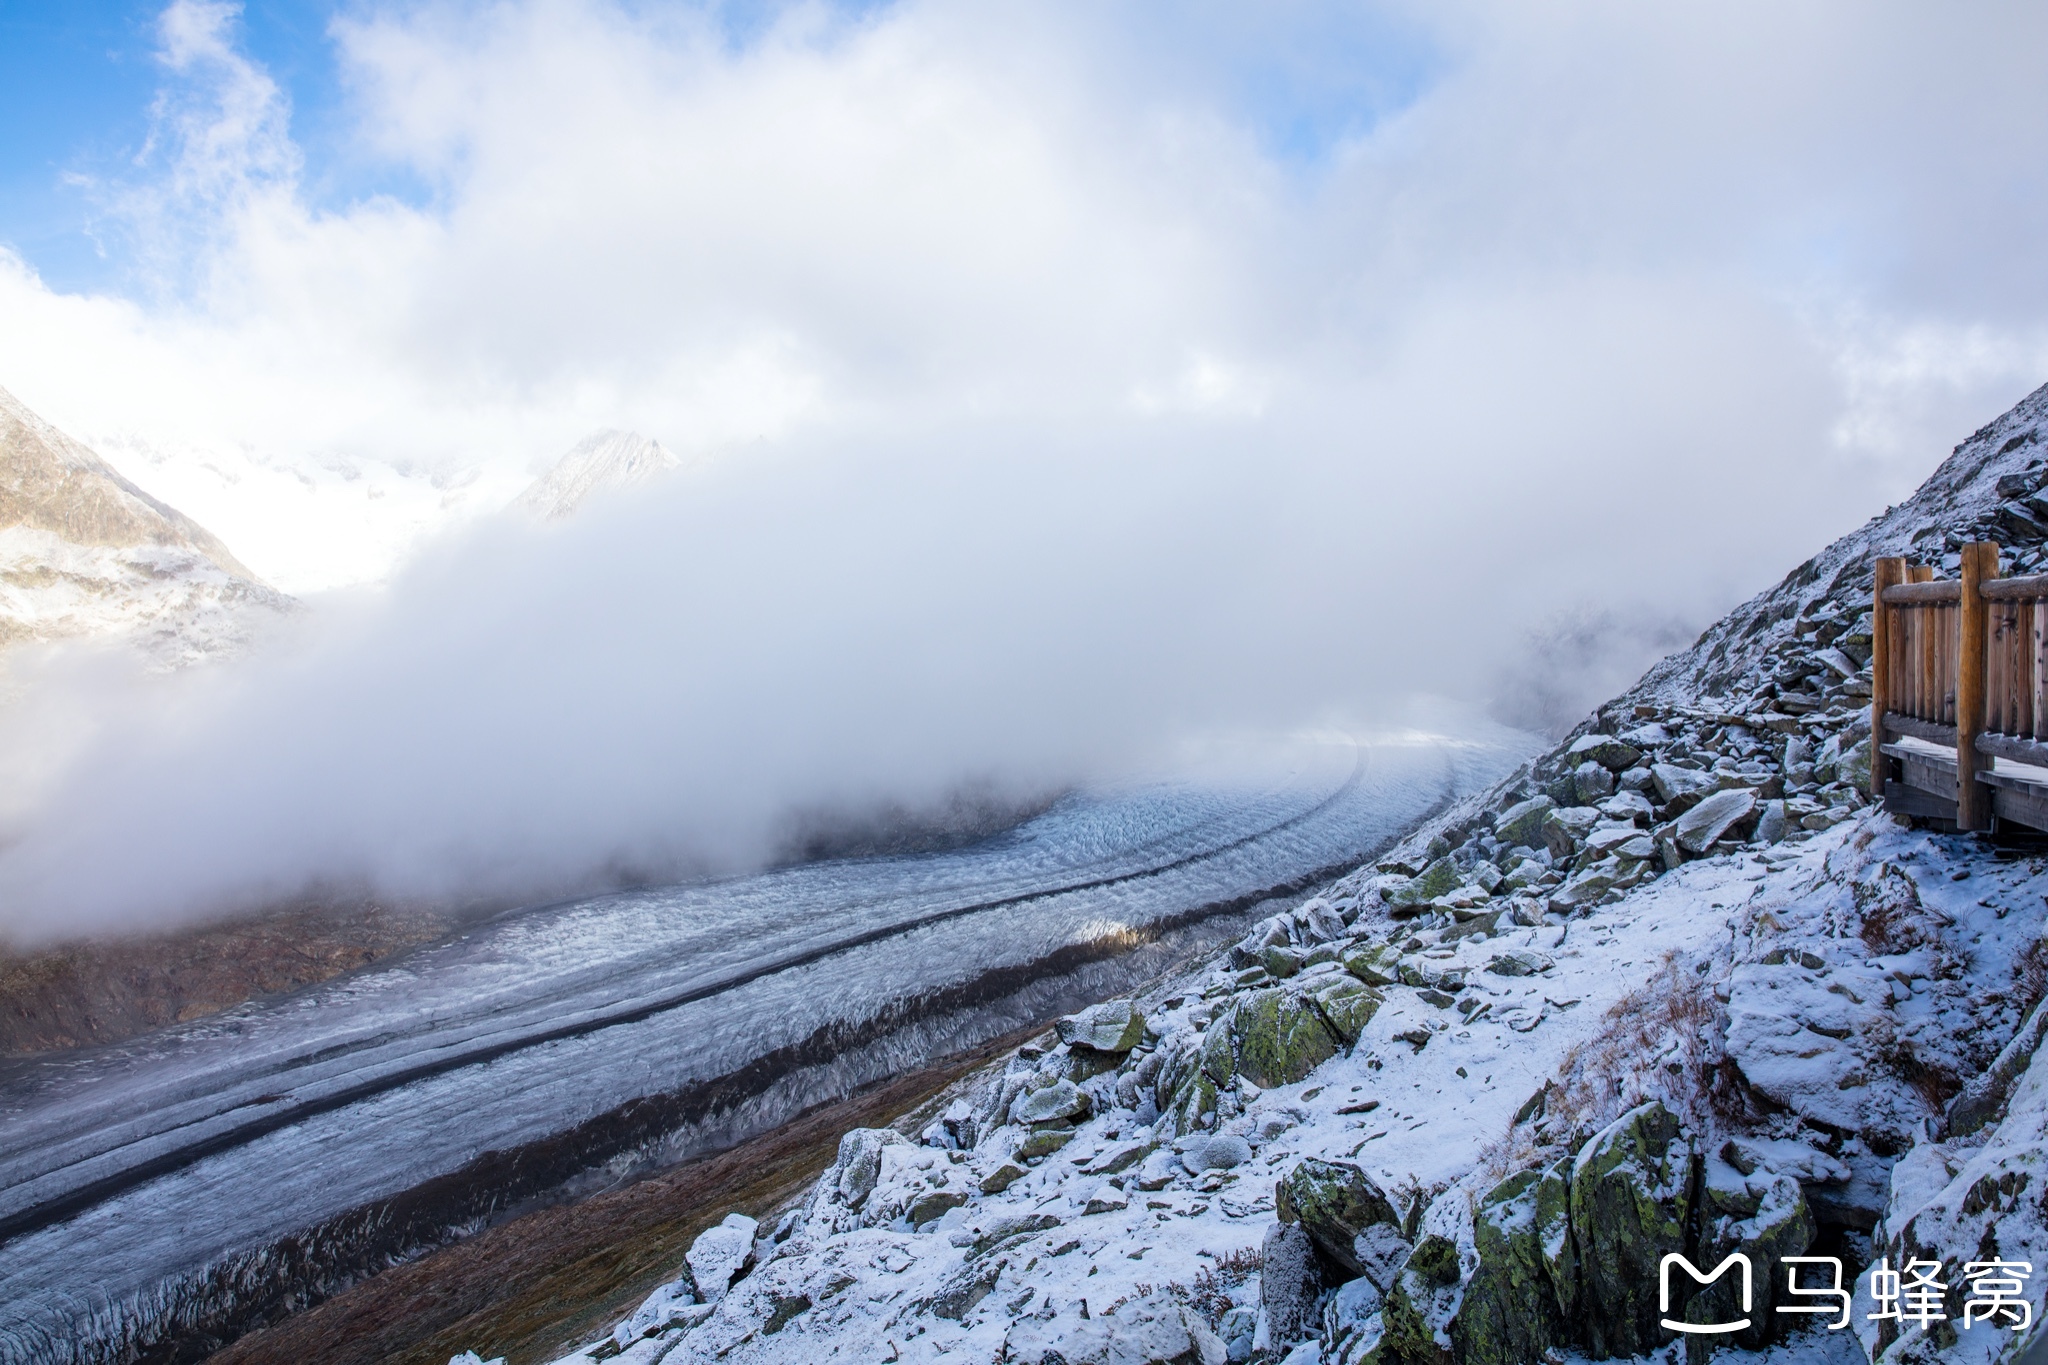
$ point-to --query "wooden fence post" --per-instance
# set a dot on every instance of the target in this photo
(1889, 571)
(1973, 802)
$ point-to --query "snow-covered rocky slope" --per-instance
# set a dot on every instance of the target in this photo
(85, 552)
(1672, 989)
(605, 461)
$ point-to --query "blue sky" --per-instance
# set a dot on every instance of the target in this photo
(77, 81)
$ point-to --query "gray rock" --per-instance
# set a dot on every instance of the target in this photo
(1060, 1100)
(1218, 1153)
(1351, 1322)
(1521, 825)
(1565, 827)
(1763, 1216)
(1592, 783)
(1631, 806)
(1673, 783)
(1609, 752)
(1713, 817)
(1116, 1026)
(1289, 1284)
(1518, 962)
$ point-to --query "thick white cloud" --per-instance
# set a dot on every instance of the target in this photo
(1596, 308)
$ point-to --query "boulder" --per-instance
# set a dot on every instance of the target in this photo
(1433, 881)
(1151, 1329)
(1521, 825)
(1518, 962)
(1376, 964)
(1565, 827)
(1334, 1202)
(1553, 1223)
(1062, 1101)
(1346, 1006)
(1763, 1216)
(1630, 1202)
(1117, 1026)
(1510, 1312)
(1714, 816)
(1678, 786)
(1631, 807)
(1221, 1152)
(1592, 783)
(722, 1254)
(1352, 1327)
(1271, 1037)
(1586, 887)
(1422, 1305)
(860, 1162)
(1290, 1282)
(1609, 752)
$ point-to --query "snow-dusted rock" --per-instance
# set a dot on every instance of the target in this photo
(1148, 1330)
(721, 1255)
(1289, 1284)
(1117, 1026)
(1714, 816)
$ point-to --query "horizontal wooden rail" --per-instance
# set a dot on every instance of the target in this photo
(2031, 752)
(2016, 589)
(1931, 731)
(1923, 594)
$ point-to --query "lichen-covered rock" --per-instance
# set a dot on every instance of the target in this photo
(1289, 1284)
(1334, 1202)
(1117, 1026)
(1521, 825)
(1270, 1037)
(1433, 881)
(1552, 1213)
(1762, 1215)
(1630, 1202)
(1510, 1313)
(1421, 1308)
(1377, 964)
(1347, 1006)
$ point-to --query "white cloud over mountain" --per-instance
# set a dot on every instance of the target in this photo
(1489, 314)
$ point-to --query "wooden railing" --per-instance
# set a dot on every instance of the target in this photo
(1961, 664)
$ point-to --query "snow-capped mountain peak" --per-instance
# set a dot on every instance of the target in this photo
(604, 461)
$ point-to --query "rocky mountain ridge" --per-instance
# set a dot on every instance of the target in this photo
(84, 552)
(1673, 989)
(605, 461)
